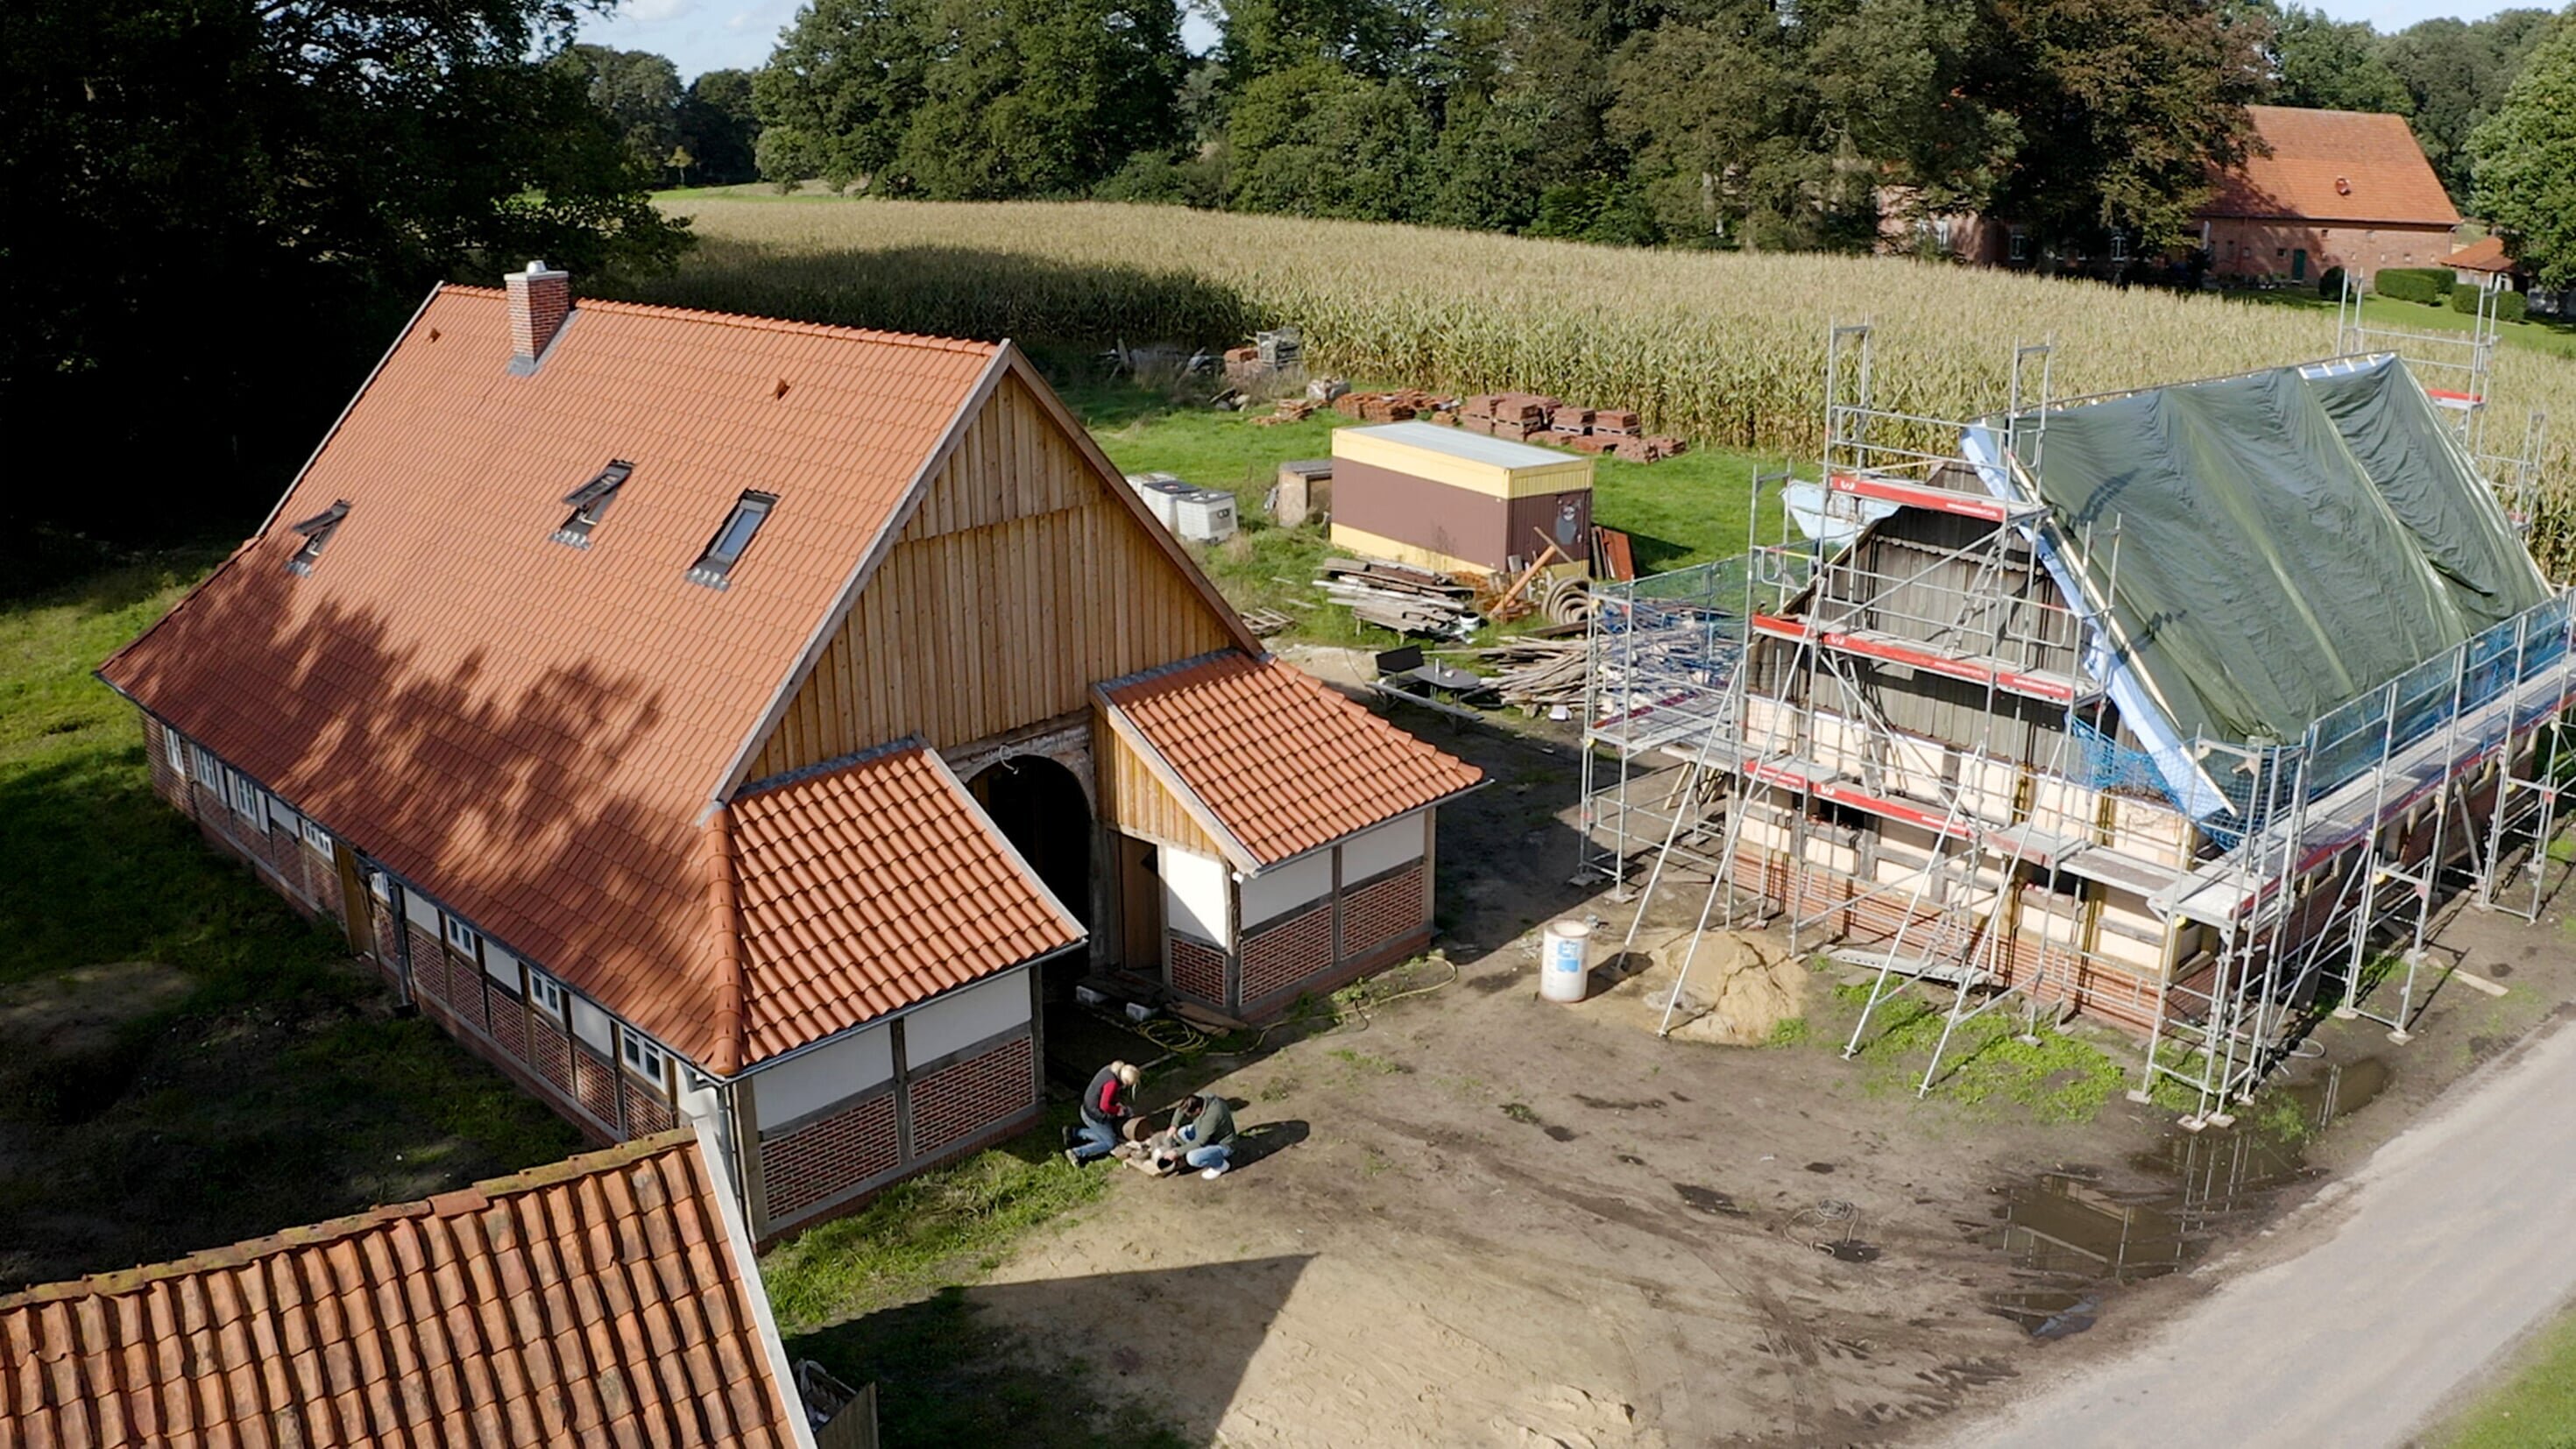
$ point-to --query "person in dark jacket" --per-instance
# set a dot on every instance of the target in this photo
(1106, 1105)
(1203, 1127)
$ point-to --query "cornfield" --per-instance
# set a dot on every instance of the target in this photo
(1725, 348)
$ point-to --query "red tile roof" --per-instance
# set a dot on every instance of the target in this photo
(527, 731)
(2486, 254)
(1278, 761)
(604, 1299)
(872, 886)
(2339, 166)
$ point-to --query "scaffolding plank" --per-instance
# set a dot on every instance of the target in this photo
(2029, 842)
(1922, 967)
(1827, 784)
(1913, 654)
(1920, 495)
(2110, 867)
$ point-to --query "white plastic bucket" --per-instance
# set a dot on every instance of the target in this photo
(1564, 960)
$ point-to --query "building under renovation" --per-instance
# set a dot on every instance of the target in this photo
(2185, 708)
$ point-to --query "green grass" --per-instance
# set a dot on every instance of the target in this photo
(2533, 1409)
(926, 1233)
(2556, 339)
(270, 1085)
(2060, 1079)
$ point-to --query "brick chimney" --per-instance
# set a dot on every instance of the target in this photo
(540, 300)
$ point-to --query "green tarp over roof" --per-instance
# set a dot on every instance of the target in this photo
(2288, 540)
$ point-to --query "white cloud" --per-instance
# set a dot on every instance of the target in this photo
(655, 12)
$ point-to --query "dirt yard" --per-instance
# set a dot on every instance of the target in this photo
(1474, 1217)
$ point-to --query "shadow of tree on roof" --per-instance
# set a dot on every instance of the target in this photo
(965, 1366)
(519, 807)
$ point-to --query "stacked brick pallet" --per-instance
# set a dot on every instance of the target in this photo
(1400, 406)
(1533, 418)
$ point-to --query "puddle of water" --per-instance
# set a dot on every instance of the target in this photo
(1708, 1200)
(2082, 1238)
(2049, 1312)
(1852, 1250)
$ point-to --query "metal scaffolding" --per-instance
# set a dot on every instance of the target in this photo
(1756, 748)
(2453, 367)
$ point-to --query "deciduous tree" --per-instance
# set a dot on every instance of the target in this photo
(2524, 160)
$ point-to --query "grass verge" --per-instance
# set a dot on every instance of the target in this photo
(2535, 1408)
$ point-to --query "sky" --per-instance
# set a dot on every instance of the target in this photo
(704, 35)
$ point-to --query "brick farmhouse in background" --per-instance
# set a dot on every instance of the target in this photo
(751, 723)
(2320, 189)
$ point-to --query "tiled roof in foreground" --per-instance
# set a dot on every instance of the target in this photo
(870, 886)
(1281, 761)
(599, 1300)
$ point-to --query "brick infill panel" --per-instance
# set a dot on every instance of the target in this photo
(1283, 953)
(956, 1101)
(823, 1156)
(1386, 909)
(1198, 969)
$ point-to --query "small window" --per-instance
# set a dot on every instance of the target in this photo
(725, 549)
(317, 837)
(177, 749)
(2020, 245)
(590, 503)
(317, 531)
(2119, 246)
(244, 796)
(642, 1057)
(547, 993)
(462, 938)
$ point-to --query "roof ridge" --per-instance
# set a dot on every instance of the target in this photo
(758, 323)
(463, 1199)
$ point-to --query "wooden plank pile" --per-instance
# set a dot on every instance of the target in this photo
(1399, 597)
(1289, 410)
(1537, 674)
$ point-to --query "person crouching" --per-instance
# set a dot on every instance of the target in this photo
(1203, 1129)
(1106, 1105)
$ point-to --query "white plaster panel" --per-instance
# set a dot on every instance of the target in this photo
(279, 814)
(1194, 888)
(593, 1026)
(500, 965)
(810, 1081)
(1382, 848)
(422, 912)
(964, 1017)
(1283, 888)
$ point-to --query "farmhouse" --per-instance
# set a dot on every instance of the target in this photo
(608, 1298)
(714, 718)
(2082, 720)
(2327, 189)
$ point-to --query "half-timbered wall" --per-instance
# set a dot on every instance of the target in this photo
(1019, 583)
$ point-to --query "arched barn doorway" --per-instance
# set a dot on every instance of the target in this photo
(1041, 808)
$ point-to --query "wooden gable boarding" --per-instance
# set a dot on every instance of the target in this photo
(1025, 572)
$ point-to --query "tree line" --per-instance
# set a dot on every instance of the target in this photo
(1759, 123)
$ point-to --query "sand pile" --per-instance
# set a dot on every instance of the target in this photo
(1741, 987)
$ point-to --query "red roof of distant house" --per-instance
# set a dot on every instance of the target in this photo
(606, 1299)
(1280, 762)
(872, 886)
(2339, 166)
(531, 732)
(2486, 254)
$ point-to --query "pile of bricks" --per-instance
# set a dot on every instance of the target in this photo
(1400, 406)
(1532, 418)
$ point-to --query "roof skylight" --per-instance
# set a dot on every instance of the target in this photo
(726, 548)
(590, 502)
(317, 532)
